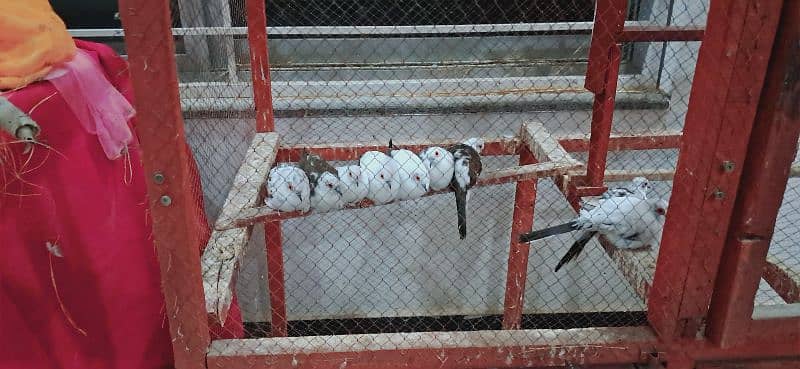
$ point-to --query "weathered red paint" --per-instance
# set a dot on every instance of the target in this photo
(159, 127)
(627, 142)
(783, 283)
(770, 153)
(354, 151)
(491, 147)
(609, 21)
(730, 70)
(276, 282)
(517, 275)
(661, 33)
(259, 62)
(626, 348)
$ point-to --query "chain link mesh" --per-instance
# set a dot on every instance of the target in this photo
(350, 72)
(355, 72)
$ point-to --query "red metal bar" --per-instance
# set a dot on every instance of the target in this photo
(601, 79)
(661, 33)
(353, 151)
(159, 126)
(265, 122)
(516, 278)
(259, 64)
(772, 148)
(730, 70)
(780, 281)
(609, 21)
(275, 278)
(492, 147)
(424, 350)
(621, 143)
(602, 116)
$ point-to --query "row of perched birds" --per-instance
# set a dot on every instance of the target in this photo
(626, 216)
(383, 177)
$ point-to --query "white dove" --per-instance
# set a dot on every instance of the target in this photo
(380, 172)
(440, 165)
(412, 174)
(352, 184)
(288, 189)
(476, 143)
(326, 195)
(627, 220)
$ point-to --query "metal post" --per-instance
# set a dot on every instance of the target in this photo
(159, 124)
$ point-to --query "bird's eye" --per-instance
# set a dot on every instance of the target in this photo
(416, 178)
(382, 176)
(350, 174)
(436, 153)
(330, 185)
(291, 188)
(661, 211)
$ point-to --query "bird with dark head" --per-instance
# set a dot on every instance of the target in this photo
(466, 170)
(324, 180)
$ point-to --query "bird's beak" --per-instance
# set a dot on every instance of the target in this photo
(389, 183)
(338, 191)
(299, 195)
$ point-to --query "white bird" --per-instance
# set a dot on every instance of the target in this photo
(440, 164)
(326, 195)
(476, 143)
(352, 185)
(288, 189)
(380, 172)
(412, 175)
(466, 170)
(324, 180)
(627, 220)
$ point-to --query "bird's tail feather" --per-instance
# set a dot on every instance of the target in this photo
(461, 207)
(575, 249)
(547, 232)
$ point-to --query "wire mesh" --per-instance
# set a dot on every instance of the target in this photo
(348, 73)
(336, 78)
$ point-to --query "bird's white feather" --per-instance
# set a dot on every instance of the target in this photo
(412, 175)
(380, 173)
(440, 165)
(288, 189)
(352, 185)
(327, 195)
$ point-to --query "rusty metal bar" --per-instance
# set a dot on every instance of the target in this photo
(160, 130)
(275, 278)
(259, 61)
(602, 116)
(730, 69)
(661, 33)
(765, 172)
(265, 122)
(516, 277)
(449, 350)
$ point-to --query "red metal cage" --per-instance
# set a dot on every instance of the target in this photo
(739, 140)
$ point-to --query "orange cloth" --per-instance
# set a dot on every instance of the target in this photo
(32, 40)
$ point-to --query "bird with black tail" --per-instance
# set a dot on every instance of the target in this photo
(467, 169)
(627, 219)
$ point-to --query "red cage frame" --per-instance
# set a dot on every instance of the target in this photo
(743, 110)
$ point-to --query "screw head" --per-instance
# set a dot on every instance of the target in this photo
(165, 200)
(158, 177)
(719, 194)
(728, 166)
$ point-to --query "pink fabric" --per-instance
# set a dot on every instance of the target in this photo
(108, 311)
(99, 107)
